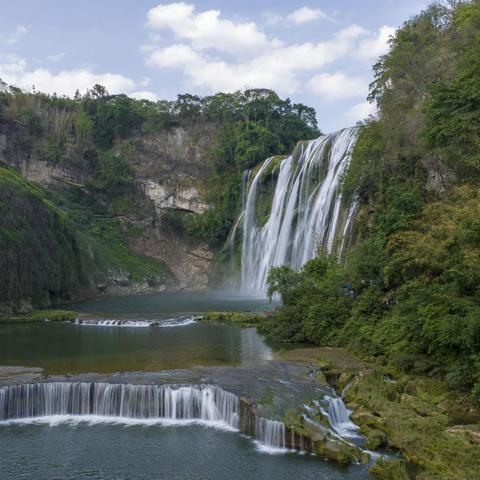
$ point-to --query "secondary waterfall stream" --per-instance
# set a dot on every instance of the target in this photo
(305, 212)
(170, 404)
(55, 402)
(205, 403)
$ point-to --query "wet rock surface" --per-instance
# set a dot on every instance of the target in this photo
(273, 387)
(15, 375)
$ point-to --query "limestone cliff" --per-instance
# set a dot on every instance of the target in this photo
(170, 167)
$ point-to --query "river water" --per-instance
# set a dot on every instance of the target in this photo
(124, 449)
(115, 452)
(177, 341)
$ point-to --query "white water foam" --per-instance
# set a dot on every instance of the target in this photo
(56, 420)
(306, 212)
(57, 403)
(338, 416)
(164, 323)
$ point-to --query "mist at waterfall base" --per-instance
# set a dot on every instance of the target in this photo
(163, 305)
(306, 214)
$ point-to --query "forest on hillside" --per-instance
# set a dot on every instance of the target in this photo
(408, 292)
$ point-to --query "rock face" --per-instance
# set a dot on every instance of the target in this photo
(191, 266)
(173, 166)
(167, 197)
(171, 169)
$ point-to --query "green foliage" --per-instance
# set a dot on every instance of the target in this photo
(55, 248)
(414, 270)
(417, 415)
(82, 132)
(240, 319)
(453, 112)
(316, 301)
(255, 142)
(40, 316)
(255, 124)
(41, 259)
(113, 176)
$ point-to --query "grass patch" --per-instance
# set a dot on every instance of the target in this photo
(323, 357)
(40, 316)
(240, 319)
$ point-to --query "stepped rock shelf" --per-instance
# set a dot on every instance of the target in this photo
(281, 405)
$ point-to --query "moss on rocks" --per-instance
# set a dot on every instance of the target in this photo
(376, 439)
(389, 470)
(41, 316)
(416, 424)
(240, 319)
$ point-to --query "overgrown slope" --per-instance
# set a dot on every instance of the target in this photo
(409, 293)
(40, 256)
(52, 254)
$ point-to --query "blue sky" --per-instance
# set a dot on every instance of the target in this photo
(316, 52)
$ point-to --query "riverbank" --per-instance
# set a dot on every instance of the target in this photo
(415, 415)
(436, 429)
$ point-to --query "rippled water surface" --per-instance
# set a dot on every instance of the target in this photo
(115, 452)
(64, 348)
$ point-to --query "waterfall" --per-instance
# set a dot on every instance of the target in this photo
(305, 211)
(55, 402)
(166, 323)
(338, 416)
(204, 403)
(271, 434)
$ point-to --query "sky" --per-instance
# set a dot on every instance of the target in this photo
(316, 52)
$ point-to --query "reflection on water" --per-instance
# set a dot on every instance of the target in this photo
(63, 348)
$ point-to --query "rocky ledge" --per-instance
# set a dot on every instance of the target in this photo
(283, 391)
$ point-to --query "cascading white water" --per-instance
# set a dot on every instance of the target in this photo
(306, 209)
(271, 433)
(205, 403)
(338, 416)
(66, 401)
(165, 323)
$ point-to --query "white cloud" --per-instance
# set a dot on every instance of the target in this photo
(65, 82)
(202, 40)
(297, 17)
(207, 29)
(20, 31)
(179, 55)
(305, 15)
(360, 111)
(276, 68)
(376, 44)
(144, 95)
(337, 86)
